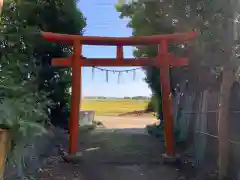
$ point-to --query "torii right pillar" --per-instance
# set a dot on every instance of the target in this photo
(163, 64)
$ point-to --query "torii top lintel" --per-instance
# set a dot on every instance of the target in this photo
(119, 41)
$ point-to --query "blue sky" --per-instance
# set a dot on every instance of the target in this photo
(103, 20)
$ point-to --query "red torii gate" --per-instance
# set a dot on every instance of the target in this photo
(164, 60)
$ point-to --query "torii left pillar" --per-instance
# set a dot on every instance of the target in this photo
(76, 96)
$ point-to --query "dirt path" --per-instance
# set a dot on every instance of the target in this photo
(122, 152)
(112, 155)
(119, 122)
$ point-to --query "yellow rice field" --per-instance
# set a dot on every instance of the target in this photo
(113, 107)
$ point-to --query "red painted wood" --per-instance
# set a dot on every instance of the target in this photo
(163, 61)
(121, 41)
(120, 55)
(75, 98)
(166, 99)
(63, 62)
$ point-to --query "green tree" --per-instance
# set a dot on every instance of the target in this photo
(59, 17)
(29, 85)
(212, 55)
(153, 15)
(164, 17)
(54, 16)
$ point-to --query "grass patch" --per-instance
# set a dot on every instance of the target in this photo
(113, 107)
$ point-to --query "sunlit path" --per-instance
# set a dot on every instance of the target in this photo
(117, 122)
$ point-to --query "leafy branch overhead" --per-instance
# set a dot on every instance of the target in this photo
(207, 54)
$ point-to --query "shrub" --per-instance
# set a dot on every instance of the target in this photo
(23, 115)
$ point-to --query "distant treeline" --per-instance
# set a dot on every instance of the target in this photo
(133, 98)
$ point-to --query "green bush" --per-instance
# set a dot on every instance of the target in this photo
(23, 115)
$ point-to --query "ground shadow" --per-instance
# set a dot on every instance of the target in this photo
(129, 145)
(112, 154)
(116, 153)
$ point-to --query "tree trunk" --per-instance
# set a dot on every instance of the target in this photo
(223, 122)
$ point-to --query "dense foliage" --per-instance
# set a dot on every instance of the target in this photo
(32, 92)
(213, 56)
(29, 57)
(208, 54)
(151, 14)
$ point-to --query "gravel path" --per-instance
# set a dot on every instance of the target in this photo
(111, 155)
(122, 152)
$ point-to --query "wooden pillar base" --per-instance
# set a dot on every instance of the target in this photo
(167, 159)
(71, 157)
